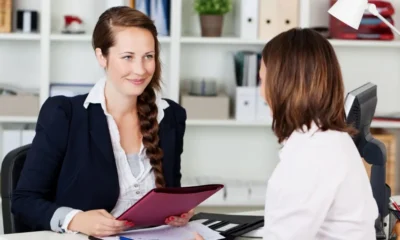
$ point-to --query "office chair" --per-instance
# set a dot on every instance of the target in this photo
(10, 172)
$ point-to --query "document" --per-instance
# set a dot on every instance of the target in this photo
(167, 232)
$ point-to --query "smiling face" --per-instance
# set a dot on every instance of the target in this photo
(130, 63)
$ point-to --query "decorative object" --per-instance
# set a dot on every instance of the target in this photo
(73, 25)
(27, 21)
(204, 87)
(211, 14)
(5, 16)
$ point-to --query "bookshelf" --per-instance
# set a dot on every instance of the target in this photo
(215, 147)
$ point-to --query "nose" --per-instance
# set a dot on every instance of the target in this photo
(138, 67)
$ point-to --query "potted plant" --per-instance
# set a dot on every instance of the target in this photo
(211, 14)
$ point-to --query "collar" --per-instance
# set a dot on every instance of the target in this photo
(96, 96)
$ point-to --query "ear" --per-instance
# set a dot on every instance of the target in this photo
(100, 58)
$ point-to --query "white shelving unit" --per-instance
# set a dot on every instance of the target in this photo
(212, 147)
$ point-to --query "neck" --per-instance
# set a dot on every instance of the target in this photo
(118, 104)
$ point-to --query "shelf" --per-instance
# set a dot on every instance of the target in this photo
(385, 124)
(235, 123)
(17, 119)
(88, 38)
(227, 123)
(335, 42)
(365, 43)
(20, 36)
(222, 40)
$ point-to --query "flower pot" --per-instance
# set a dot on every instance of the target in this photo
(211, 25)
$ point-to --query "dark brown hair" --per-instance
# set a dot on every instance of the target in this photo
(103, 38)
(303, 83)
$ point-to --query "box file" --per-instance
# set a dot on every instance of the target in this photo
(247, 19)
(246, 103)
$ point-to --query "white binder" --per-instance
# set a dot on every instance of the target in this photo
(11, 140)
(248, 18)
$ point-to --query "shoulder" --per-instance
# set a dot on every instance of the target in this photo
(330, 150)
(60, 106)
(174, 112)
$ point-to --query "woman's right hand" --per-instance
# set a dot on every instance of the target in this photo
(97, 223)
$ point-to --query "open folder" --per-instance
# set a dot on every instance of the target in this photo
(160, 203)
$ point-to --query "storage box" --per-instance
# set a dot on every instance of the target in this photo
(19, 105)
(206, 107)
(245, 104)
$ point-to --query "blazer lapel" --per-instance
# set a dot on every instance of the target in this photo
(99, 131)
(166, 141)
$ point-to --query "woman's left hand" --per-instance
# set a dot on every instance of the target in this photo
(181, 220)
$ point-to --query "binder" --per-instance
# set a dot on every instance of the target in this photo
(248, 19)
(288, 16)
(228, 225)
(161, 203)
(268, 19)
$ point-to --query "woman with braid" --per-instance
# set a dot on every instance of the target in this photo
(95, 155)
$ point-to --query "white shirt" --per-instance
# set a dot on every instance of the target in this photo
(319, 190)
(131, 188)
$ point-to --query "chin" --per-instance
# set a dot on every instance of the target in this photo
(131, 89)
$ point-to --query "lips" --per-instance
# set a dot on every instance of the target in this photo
(137, 81)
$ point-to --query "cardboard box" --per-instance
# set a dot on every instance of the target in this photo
(206, 107)
(19, 105)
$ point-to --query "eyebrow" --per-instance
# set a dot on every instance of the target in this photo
(134, 53)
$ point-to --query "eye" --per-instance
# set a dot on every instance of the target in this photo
(149, 56)
(127, 57)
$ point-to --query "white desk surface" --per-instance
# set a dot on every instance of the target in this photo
(48, 235)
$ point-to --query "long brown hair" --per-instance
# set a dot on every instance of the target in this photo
(303, 83)
(103, 38)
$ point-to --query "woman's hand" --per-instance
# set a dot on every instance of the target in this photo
(97, 223)
(180, 221)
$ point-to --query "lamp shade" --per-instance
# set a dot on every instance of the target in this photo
(349, 12)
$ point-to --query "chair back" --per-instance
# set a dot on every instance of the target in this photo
(10, 172)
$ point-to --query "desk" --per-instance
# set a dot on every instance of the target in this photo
(47, 235)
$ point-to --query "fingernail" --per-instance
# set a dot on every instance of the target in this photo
(171, 218)
(127, 224)
(183, 215)
(131, 224)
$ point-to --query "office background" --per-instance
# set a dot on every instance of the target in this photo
(218, 147)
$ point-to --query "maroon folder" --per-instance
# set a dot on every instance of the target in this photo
(160, 203)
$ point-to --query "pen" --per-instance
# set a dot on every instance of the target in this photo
(394, 204)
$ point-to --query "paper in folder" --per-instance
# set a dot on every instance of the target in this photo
(161, 203)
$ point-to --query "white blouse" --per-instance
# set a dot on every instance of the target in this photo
(320, 190)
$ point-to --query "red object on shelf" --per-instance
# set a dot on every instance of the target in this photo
(371, 27)
(385, 8)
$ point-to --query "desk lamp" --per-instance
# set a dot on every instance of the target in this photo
(351, 12)
(360, 108)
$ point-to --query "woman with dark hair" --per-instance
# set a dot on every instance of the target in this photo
(320, 188)
(95, 155)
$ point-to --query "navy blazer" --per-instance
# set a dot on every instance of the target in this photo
(71, 161)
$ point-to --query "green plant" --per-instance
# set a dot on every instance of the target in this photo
(212, 7)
